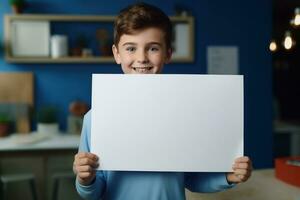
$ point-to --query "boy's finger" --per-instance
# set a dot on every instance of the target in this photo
(85, 168)
(85, 175)
(240, 172)
(241, 166)
(83, 162)
(87, 155)
(87, 161)
(95, 165)
(81, 154)
(242, 178)
(234, 178)
(243, 159)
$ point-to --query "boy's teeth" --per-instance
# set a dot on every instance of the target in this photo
(141, 69)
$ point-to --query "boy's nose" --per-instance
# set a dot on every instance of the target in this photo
(142, 57)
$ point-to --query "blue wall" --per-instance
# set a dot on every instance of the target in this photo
(246, 24)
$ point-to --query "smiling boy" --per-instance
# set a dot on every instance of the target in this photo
(145, 52)
(142, 45)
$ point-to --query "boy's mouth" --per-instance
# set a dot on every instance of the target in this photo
(142, 69)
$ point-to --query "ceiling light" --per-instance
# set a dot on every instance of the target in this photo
(288, 42)
(297, 17)
(273, 46)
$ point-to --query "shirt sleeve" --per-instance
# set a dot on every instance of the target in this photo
(96, 189)
(206, 182)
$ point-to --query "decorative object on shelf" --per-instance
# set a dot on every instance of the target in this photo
(17, 6)
(80, 43)
(47, 120)
(59, 46)
(5, 124)
(30, 38)
(77, 110)
(104, 41)
(87, 52)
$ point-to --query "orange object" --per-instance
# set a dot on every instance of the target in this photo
(78, 108)
(288, 170)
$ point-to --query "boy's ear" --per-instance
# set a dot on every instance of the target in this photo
(168, 56)
(116, 54)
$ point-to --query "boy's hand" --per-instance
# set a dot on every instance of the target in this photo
(84, 167)
(242, 169)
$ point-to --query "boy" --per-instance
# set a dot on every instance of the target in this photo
(142, 44)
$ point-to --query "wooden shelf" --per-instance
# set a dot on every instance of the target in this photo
(8, 19)
(63, 18)
(99, 59)
(80, 18)
(59, 60)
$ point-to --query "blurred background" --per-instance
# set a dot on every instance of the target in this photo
(47, 59)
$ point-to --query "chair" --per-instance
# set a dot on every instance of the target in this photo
(7, 179)
(57, 179)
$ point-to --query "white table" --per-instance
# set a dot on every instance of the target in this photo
(41, 155)
(35, 141)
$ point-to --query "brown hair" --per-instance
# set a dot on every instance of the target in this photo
(140, 16)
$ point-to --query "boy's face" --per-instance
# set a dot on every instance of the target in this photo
(144, 52)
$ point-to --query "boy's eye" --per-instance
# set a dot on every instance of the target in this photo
(130, 49)
(154, 49)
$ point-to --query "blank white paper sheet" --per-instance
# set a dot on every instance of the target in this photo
(184, 123)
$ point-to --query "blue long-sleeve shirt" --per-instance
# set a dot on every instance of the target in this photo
(121, 185)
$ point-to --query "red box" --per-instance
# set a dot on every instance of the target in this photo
(289, 173)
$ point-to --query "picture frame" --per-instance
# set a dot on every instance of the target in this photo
(183, 40)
